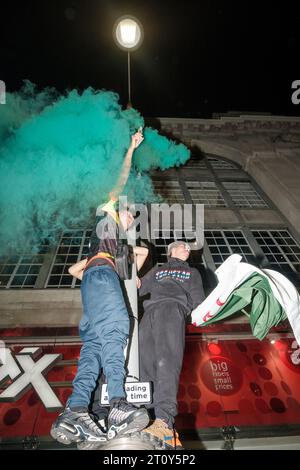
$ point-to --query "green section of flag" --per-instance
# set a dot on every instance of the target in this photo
(263, 309)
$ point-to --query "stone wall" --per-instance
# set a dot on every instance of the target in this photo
(266, 147)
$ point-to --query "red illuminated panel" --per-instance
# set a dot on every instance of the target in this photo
(45, 419)
(242, 383)
(28, 416)
(239, 383)
(62, 374)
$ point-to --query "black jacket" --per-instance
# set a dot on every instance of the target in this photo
(173, 281)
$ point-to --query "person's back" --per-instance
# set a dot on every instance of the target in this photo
(174, 281)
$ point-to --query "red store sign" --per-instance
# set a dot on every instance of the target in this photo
(241, 383)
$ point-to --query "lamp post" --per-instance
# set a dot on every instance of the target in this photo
(128, 35)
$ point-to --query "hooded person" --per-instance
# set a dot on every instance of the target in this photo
(175, 290)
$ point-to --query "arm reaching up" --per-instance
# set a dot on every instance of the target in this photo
(136, 140)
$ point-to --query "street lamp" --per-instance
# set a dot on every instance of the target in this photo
(128, 35)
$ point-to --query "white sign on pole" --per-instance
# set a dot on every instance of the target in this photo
(137, 392)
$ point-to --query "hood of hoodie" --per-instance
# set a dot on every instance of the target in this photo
(177, 262)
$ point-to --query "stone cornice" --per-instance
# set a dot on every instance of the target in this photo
(242, 124)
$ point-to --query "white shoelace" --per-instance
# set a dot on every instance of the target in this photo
(118, 415)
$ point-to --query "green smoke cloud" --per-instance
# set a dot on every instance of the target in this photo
(61, 155)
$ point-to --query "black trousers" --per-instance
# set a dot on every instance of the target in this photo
(161, 348)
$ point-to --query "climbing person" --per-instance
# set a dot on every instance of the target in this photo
(104, 329)
(175, 290)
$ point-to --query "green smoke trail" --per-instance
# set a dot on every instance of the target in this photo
(61, 155)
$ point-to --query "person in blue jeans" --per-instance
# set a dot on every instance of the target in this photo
(104, 330)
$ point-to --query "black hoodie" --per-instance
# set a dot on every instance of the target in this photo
(173, 281)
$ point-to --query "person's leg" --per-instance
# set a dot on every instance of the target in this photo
(146, 347)
(99, 411)
(168, 328)
(146, 355)
(75, 424)
(169, 339)
(112, 327)
(99, 414)
(89, 367)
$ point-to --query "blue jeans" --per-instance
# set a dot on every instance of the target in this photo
(104, 330)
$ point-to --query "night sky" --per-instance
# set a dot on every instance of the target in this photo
(198, 57)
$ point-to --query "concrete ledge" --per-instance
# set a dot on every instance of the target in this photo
(40, 308)
(261, 216)
(40, 318)
(39, 295)
(219, 216)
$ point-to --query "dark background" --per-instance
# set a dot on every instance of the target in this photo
(198, 57)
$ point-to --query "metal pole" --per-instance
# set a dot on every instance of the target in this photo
(133, 356)
(2, 92)
(129, 79)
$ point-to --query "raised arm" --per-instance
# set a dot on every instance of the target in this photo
(136, 140)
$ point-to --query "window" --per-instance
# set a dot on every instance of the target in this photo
(205, 192)
(196, 163)
(22, 271)
(170, 191)
(218, 164)
(73, 246)
(223, 243)
(243, 194)
(282, 251)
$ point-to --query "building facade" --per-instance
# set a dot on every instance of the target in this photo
(246, 172)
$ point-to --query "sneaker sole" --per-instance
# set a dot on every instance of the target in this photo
(139, 421)
(64, 436)
(149, 438)
(85, 445)
(157, 443)
(61, 436)
(168, 447)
